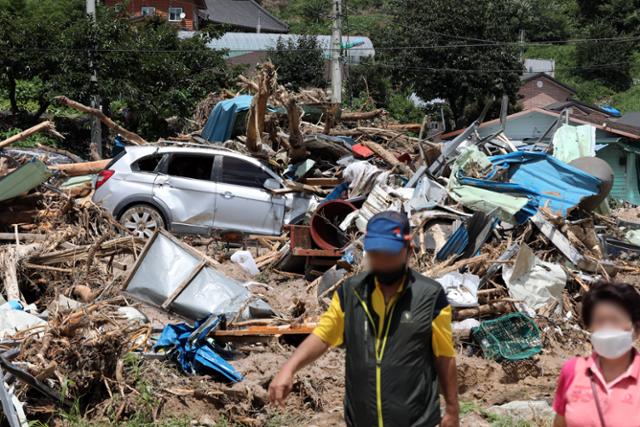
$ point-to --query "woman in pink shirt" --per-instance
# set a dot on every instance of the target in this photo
(603, 390)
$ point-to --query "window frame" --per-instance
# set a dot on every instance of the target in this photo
(218, 169)
(174, 8)
(136, 168)
(148, 8)
(164, 168)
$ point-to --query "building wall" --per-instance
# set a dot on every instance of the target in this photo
(625, 173)
(134, 8)
(534, 96)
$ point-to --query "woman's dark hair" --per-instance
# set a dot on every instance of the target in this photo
(621, 294)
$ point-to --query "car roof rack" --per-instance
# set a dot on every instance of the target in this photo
(168, 142)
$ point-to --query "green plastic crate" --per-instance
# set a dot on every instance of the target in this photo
(510, 337)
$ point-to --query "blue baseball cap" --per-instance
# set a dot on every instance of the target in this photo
(387, 231)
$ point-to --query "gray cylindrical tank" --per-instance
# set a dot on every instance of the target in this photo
(600, 169)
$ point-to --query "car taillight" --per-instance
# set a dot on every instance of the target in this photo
(103, 176)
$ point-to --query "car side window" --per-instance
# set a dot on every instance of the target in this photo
(240, 172)
(147, 164)
(190, 166)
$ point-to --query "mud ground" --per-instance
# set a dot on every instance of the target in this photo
(318, 391)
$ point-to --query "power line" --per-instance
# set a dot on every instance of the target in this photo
(491, 70)
(384, 48)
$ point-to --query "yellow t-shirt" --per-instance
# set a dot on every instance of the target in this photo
(330, 328)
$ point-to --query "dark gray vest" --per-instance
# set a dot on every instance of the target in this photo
(404, 379)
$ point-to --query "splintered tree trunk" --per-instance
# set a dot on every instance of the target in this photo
(132, 137)
(254, 139)
(361, 115)
(297, 149)
(330, 118)
(267, 82)
(83, 168)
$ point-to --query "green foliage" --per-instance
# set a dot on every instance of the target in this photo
(369, 80)
(361, 17)
(609, 61)
(550, 20)
(48, 46)
(300, 62)
(403, 110)
(460, 75)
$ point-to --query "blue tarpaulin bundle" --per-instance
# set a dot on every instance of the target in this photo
(223, 117)
(541, 178)
(193, 353)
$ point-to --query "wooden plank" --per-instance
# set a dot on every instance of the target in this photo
(323, 182)
(182, 286)
(23, 237)
(567, 249)
(303, 329)
(140, 259)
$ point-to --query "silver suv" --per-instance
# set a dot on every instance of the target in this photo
(197, 190)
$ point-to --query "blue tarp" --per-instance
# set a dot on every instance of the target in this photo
(196, 355)
(223, 117)
(543, 179)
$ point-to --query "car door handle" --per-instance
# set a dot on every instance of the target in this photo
(228, 195)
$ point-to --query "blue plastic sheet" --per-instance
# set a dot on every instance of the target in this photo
(196, 355)
(543, 179)
(223, 117)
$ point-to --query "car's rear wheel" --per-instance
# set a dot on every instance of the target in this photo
(142, 220)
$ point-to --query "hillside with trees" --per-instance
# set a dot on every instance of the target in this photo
(467, 52)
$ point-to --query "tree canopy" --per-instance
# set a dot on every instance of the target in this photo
(457, 50)
(146, 67)
(300, 62)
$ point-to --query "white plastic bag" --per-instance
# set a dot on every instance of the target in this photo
(246, 261)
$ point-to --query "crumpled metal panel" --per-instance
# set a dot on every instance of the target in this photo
(23, 179)
(165, 266)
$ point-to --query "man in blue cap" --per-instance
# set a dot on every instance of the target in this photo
(395, 325)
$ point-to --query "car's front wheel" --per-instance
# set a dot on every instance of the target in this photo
(142, 220)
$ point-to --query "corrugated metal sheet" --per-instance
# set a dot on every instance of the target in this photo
(23, 179)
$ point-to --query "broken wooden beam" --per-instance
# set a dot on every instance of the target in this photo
(132, 137)
(46, 126)
(387, 156)
(361, 115)
(305, 329)
(482, 310)
(10, 259)
(565, 247)
(84, 168)
(323, 182)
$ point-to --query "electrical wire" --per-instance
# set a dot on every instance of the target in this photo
(329, 49)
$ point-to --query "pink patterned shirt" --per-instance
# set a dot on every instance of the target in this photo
(619, 399)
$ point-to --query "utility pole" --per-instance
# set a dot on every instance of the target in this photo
(336, 54)
(96, 126)
(522, 46)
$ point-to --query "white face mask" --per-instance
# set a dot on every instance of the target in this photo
(612, 343)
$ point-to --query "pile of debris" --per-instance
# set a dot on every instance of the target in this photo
(515, 236)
